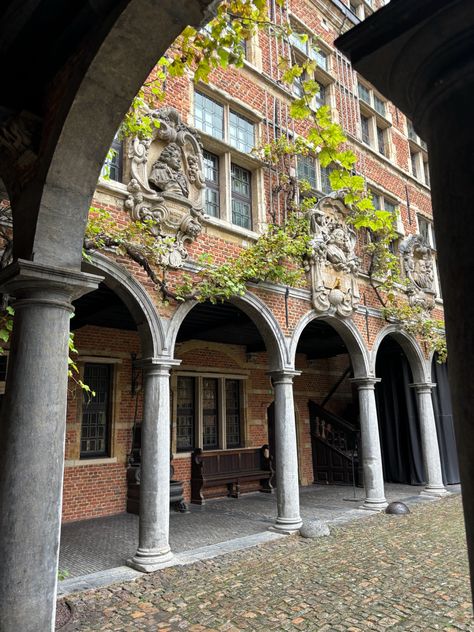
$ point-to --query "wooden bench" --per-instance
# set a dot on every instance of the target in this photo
(230, 468)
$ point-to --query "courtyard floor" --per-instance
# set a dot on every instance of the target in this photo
(91, 546)
(381, 573)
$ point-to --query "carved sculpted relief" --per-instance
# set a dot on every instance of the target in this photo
(167, 183)
(333, 264)
(418, 266)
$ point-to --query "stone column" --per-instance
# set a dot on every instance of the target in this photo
(153, 545)
(429, 442)
(32, 435)
(371, 451)
(286, 456)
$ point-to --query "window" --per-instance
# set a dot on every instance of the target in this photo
(96, 411)
(381, 142)
(241, 197)
(365, 125)
(208, 115)
(326, 187)
(208, 412)
(373, 122)
(364, 93)
(112, 167)
(228, 194)
(211, 174)
(322, 59)
(321, 97)
(414, 164)
(186, 413)
(241, 132)
(309, 169)
(418, 155)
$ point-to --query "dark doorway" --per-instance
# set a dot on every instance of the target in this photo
(444, 423)
(398, 416)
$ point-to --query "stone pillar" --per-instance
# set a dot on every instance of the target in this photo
(371, 451)
(32, 435)
(286, 453)
(429, 442)
(153, 545)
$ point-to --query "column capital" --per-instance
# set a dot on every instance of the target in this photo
(158, 365)
(366, 383)
(28, 280)
(423, 387)
(283, 376)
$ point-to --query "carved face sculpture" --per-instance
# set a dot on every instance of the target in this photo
(171, 155)
(339, 238)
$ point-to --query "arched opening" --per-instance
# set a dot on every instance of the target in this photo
(444, 422)
(398, 414)
(329, 354)
(220, 395)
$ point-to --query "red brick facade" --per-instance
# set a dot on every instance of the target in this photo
(98, 487)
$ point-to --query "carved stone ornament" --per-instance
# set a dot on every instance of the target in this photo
(333, 264)
(167, 183)
(418, 267)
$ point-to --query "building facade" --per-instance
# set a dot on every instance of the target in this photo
(314, 375)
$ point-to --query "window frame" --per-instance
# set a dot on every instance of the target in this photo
(87, 400)
(198, 424)
(228, 154)
(375, 134)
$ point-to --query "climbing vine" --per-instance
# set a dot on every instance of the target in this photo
(281, 253)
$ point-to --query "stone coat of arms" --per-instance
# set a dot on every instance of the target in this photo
(333, 263)
(167, 184)
(418, 267)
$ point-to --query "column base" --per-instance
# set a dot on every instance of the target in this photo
(374, 505)
(286, 526)
(435, 491)
(150, 560)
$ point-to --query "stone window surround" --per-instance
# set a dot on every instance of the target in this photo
(376, 121)
(419, 165)
(227, 155)
(198, 438)
(322, 75)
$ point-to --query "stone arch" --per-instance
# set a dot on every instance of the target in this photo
(133, 294)
(420, 366)
(258, 312)
(350, 335)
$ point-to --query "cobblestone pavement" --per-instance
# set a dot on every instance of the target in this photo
(383, 573)
(102, 543)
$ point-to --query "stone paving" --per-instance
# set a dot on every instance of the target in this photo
(383, 573)
(102, 543)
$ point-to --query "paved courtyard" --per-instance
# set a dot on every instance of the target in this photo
(382, 573)
(95, 545)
